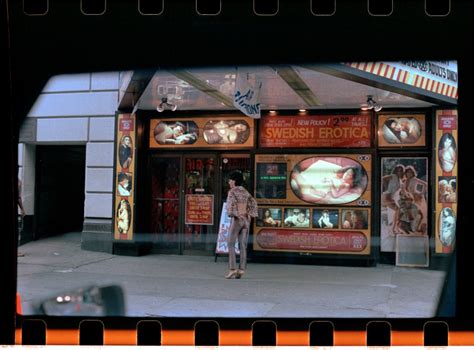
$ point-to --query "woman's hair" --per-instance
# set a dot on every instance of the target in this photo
(359, 215)
(237, 177)
(358, 174)
(412, 168)
(124, 138)
(174, 125)
(398, 166)
(126, 204)
(445, 137)
(123, 176)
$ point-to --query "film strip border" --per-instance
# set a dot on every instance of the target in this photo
(250, 333)
(446, 180)
(392, 72)
(124, 201)
(260, 7)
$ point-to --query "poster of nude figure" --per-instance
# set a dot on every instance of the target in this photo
(401, 130)
(404, 199)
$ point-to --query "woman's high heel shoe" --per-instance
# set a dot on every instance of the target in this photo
(240, 273)
(232, 274)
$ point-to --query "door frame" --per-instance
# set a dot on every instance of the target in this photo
(218, 156)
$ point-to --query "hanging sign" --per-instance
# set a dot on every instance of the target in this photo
(247, 97)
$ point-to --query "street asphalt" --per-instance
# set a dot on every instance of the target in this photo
(194, 286)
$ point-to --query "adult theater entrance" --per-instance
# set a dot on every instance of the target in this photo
(185, 199)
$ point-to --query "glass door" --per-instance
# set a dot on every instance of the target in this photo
(231, 163)
(164, 222)
(199, 204)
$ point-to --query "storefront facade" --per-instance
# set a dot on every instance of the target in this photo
(334, 184)
(348, 186)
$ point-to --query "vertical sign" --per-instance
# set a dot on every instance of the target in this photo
(446, 180)
(124, 177)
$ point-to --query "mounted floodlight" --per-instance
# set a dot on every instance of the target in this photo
(371, 104)
(165, 104)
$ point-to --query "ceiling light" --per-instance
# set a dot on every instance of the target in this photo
(302, 110)
(364, 107)
(165, 104)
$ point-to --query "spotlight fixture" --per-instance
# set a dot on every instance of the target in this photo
(165, 104)
(371, 104)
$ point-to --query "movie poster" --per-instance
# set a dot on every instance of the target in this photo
(401, 130)
(404, 199)
(446, 180)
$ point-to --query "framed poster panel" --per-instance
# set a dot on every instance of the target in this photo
(404, 199)
(213, 132)
(321, 131)
(298, 179)
(401, 130)
(313, 230)
(446, 159)
(125, 164)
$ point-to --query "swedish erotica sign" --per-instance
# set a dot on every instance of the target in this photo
(315, 131)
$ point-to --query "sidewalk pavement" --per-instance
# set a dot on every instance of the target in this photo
(194, 286)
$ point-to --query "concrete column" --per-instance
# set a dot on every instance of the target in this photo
(97, 232)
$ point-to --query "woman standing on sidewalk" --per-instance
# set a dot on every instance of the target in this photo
(241, 207)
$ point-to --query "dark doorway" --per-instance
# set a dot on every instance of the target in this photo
(60, 184)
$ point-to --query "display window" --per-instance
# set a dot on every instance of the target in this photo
(313, 203)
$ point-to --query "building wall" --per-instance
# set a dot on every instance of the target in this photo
(77, 109)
